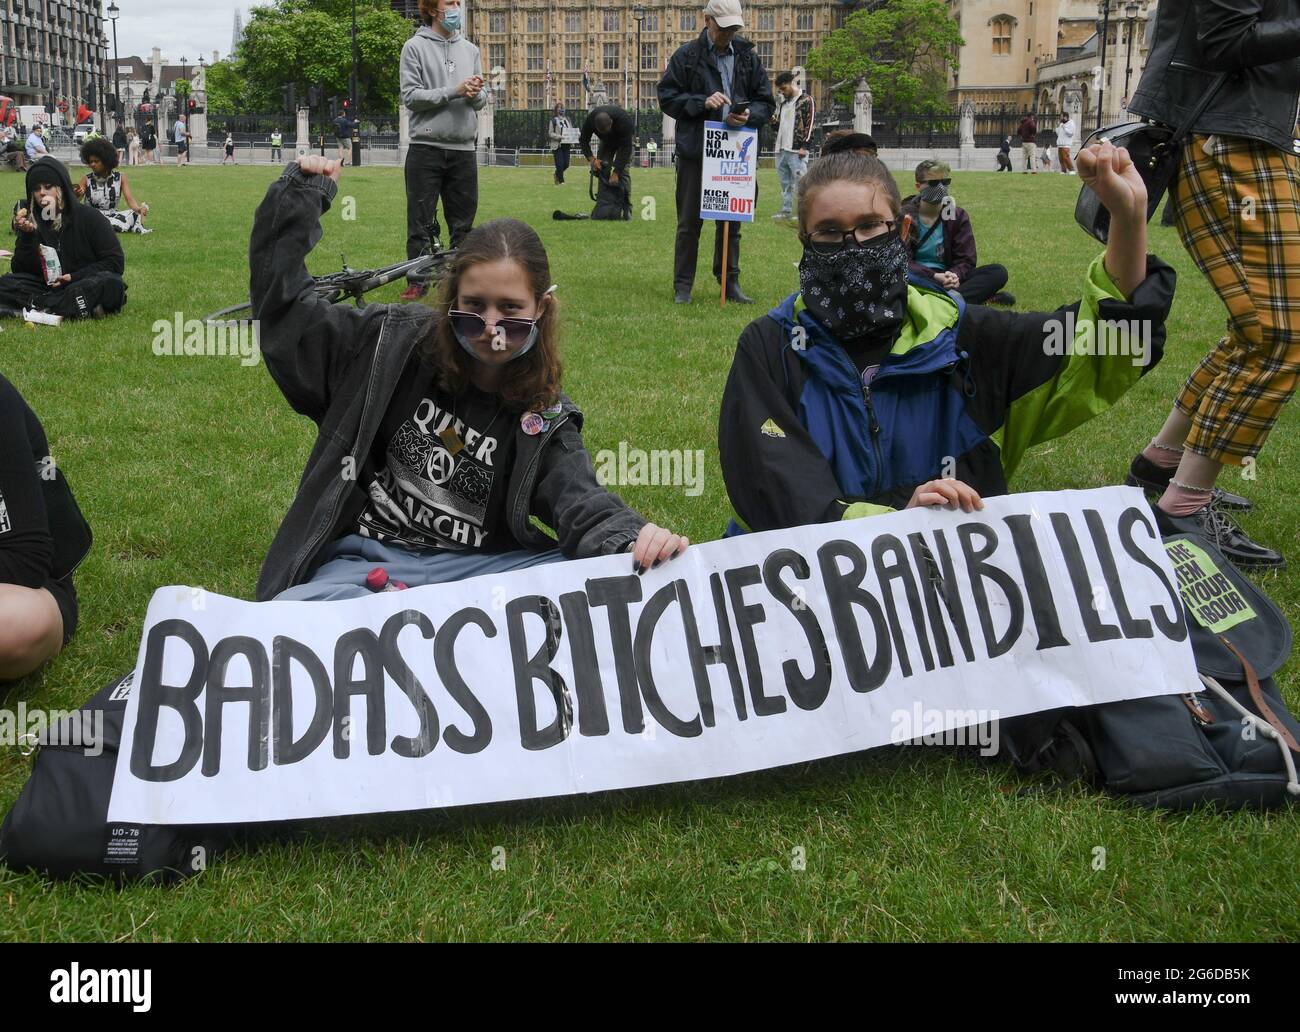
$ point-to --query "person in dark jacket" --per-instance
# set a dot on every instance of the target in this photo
(43, 538)
(89, 280)
(1028, 133)
(451, 420)
(1242, 152)
(717, 77)
(613, 127)
(869, 391)
(1004, 155)
(941, 243)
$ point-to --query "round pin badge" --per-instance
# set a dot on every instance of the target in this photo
(532, 423)
(551, 413)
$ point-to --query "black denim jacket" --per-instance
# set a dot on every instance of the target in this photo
(341, 366)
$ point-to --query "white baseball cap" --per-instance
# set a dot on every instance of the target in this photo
(726, 13)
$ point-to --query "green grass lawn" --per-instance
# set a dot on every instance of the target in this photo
(184, 467)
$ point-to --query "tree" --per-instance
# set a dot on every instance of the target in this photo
(903, 49)
(225, 87)
(309, 43)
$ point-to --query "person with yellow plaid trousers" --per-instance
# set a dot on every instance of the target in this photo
(1236, 197)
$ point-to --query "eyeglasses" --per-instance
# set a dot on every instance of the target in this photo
(829, 241)
(939, 182)
(471, 326)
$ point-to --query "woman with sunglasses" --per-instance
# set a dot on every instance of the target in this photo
(941, 243)
(442, 432)
(869, 391)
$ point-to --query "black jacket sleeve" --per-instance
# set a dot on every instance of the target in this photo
(589, 519)
(624, 127)
(675, 97)
(306, 342)
(26, 544)
(102, 241)
(1236, 34)
(584, 137)
(761, 101)
(774, 473)
(26, 257)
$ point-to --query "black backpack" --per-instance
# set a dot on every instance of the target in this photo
(613, 200)
(59, 825)
(1228, 742)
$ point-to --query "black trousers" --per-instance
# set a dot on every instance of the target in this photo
(982, 284)
(74, 300)
(690, 174)
(433, 173)
(561, 154)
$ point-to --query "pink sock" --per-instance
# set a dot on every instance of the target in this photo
(1183, 500)
(1164, 457)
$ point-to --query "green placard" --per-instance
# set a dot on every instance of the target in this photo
(1209, 594)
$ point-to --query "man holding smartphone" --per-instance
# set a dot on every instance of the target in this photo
(442, 85)
(717, 77)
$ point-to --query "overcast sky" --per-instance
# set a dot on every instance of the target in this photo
(179, 27)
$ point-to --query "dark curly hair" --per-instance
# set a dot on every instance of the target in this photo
(100, 148)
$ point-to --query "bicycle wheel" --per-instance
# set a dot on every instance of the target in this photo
(332, 288)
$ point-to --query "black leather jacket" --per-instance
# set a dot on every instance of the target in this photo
(1256, 41)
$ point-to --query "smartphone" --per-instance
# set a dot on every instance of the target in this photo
(741, 108)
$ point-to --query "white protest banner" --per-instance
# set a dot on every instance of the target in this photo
(742, 654)
(570, 135)
(730, 173)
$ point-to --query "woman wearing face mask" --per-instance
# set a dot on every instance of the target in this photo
(441, 433)
(866, 392)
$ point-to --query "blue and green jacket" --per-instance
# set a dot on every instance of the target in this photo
(964, 392)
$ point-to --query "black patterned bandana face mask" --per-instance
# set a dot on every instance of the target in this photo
(858, 293)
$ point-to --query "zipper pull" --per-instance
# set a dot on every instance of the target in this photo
(871, 410)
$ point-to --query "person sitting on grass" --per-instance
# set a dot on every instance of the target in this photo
(43, 538)
(942, 241)
(464, 435)
(67, 260)
(869, 390)
(105, 184)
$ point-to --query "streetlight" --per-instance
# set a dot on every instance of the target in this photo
(99, 75)
(352, 94)
(1101, 80)
(113, 12)
(638, 15)
(1130, 9)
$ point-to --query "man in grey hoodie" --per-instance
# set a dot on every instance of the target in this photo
(442, 85)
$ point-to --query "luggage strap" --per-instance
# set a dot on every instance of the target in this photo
(1257, 697)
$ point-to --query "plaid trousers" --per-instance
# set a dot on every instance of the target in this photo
(1238, 208)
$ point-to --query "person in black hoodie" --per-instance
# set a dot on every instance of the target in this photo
(89, 280)
(43, 537)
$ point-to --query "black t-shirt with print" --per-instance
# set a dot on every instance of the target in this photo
(421, 489)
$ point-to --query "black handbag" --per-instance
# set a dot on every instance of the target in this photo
(1154, 148)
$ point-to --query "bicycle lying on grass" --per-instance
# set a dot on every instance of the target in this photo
(335, 287)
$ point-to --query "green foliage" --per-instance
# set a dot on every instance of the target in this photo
(904, 50)
(308, 44)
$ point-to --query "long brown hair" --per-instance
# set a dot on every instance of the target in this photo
(533, 381)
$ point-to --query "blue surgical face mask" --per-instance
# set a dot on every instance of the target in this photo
(451, 19)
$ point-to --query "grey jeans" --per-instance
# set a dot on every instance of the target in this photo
(342, 574)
